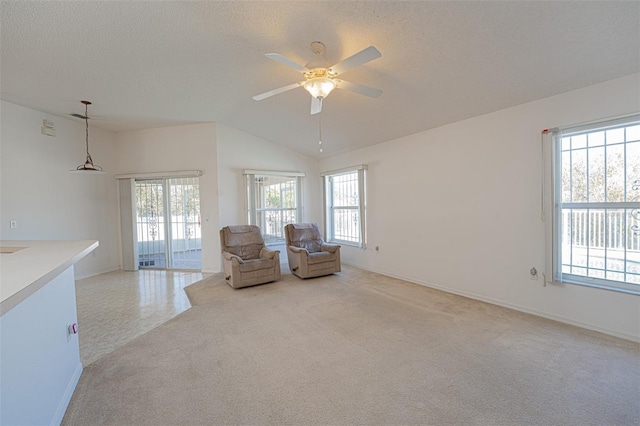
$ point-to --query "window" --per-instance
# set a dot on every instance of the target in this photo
(273, 200)
(344, 192)
(597, 205)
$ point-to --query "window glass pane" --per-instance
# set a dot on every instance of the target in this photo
(579, 237)
(579, 176)
(566, 178)
(615, 173)
(579, 271)
(615, 240)
(597, 237)
(616, 248)
(579, 141)
(566, 239)
(346, 225)
(615, 136)
(633, 133)
(566, 143)
(276, 191)
(150, 204)
(596, 174)
(345, 190)
(633, 246)
(633, 171)
(272, 222)
(595, 139)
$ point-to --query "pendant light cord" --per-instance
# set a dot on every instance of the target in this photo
(88, 165)
(86, 122)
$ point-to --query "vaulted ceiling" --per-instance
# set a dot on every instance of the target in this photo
(155, 64)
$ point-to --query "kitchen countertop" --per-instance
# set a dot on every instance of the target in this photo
(26, 266)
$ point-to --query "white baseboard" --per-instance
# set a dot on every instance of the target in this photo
(504, 304)
(68, 393)
(93, 274)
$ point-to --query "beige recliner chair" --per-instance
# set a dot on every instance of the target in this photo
(309, 256)
(245, 259)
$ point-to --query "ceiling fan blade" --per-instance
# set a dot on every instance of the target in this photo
(316, 105)
(286, 61)
(359, 88)
(362, 57)
(275, 91)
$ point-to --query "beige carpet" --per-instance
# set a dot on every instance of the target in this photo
(358, 348)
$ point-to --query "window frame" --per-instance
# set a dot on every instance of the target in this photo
(555, 205)
(252, 209)
(330, 208)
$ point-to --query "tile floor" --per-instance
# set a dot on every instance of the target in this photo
(116, 307)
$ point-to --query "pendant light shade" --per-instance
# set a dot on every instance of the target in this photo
(88, 167)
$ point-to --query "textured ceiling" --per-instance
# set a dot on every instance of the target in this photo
(154, 64)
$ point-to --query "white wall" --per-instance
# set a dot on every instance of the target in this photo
(458, 208)
(238, 151)
(48, 202)
(190, 147)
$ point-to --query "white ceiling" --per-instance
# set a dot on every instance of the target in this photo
(155, 64)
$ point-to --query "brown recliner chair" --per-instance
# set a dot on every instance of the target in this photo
(245, 259)
(309, 256)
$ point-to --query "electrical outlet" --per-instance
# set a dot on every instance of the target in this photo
(533, 273)
(13, 224)
(72, 328)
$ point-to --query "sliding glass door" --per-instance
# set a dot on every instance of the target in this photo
(168, 223)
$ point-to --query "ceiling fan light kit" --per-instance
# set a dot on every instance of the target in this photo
(319, 87)
(320, 80)
(88, 167)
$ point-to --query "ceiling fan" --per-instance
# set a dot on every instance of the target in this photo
(320, 78)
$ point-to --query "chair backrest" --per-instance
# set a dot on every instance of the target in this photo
(304, 235)
(244, 241)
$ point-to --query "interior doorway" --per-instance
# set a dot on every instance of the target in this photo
(168, 223)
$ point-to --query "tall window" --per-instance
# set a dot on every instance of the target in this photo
(344, 193)
(273, 200)
(597, 199)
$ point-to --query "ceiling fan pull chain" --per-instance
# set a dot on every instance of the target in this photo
(320, 131)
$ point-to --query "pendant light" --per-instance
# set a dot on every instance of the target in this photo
(88, 167)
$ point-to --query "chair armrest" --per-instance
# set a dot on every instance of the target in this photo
(265, 253)
(295, 249)
(230, 256)
(331, 248)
